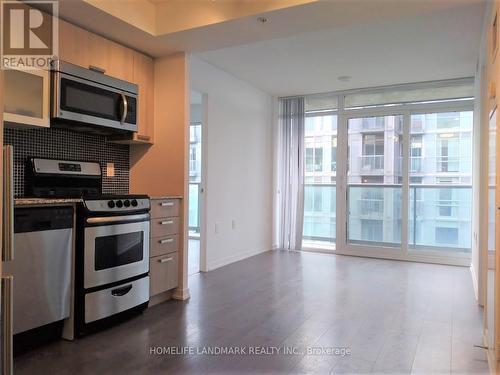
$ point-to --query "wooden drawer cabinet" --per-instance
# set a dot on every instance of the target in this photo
(164, 208)
(163, 273)
(164, 226)
(164, 245)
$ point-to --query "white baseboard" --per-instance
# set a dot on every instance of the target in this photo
(233, 258)
(474, 282)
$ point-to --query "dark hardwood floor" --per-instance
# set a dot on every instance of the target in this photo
(395, 317)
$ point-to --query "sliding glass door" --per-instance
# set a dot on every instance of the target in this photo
(388, 172)
(423, 158)
(374, 180)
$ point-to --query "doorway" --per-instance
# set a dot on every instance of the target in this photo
(195, 182)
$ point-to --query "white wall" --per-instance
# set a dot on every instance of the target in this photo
(238, 165)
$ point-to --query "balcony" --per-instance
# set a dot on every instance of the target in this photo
(373, 123)
(371, 163)
(447, 163)
(319, 214)
(437, 220)
(194, 169)
(194, 209)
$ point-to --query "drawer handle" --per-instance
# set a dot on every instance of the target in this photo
(168, 222)
(166, 204)
(118, 292)
(165, 260)
(166, 240)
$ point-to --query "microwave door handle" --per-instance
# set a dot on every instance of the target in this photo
(125, 108)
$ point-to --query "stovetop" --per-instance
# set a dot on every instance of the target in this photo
(117, 203)
(113, 204)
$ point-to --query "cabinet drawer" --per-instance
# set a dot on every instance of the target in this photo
(164, 245)
(163, 271)
(164, 208)
(164, 227)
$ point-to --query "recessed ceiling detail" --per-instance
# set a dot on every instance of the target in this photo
(160, 17)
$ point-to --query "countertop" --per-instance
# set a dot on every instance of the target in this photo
(52, 201)
(43, 201)
(166, 197)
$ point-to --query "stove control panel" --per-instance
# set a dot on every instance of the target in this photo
(118, 204)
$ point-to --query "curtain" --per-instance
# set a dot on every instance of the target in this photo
(291, 172)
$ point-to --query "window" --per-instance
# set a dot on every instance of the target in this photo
(446, 236)
(334, 154)
(309, 159)
(442, 205)
(318, 200)
(373, 152)
(416, 154)
(320, 141)
(448, 153)
(372, 230)
(374, 186)
(195, 153)
(373, 144)
(437, 147)
(318, 159)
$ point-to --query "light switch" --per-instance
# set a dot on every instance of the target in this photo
(110, 169)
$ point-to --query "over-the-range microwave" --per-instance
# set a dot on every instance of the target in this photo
(88, 100)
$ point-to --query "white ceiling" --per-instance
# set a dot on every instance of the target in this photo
(411, 45)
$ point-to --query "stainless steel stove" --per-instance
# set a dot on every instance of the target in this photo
(112, 241)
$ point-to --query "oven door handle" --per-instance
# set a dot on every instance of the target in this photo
(114, 219)
(118, 292)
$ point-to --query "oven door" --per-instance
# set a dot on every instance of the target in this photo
(88, 102)
(116, 248)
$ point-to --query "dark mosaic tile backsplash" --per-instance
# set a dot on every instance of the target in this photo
(68, 145)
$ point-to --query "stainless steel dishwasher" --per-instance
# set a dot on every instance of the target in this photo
(43, 240)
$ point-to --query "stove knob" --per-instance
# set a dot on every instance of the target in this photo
(134, 203)
(126, 203)
(119, 204)
(111, 204)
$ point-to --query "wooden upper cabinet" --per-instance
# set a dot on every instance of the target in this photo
(81, 47)
(144, 78)
(73, 44)
(120, 61)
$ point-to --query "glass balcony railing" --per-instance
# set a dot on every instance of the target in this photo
(372, 163)
(447, 164)
(194, 206)
(374, 214)
(319, 214)
(439, 216)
